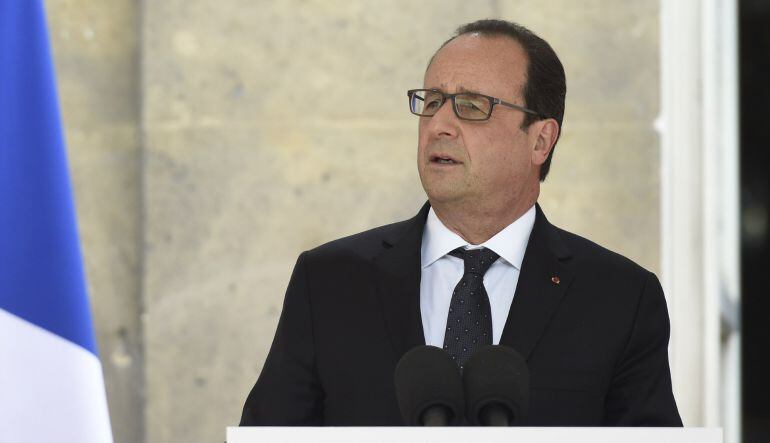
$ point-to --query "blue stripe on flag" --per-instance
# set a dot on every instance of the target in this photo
(41, 273)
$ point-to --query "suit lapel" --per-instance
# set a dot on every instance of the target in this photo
(397, 277)
(398, 271)
(543, 281)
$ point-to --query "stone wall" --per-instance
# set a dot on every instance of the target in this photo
(212, 142)
(96, 47)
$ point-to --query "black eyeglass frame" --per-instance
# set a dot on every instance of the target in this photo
(492, 102)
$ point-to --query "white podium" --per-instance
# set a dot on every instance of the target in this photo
(471, 435)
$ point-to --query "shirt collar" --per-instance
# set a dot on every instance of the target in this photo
(509, 244)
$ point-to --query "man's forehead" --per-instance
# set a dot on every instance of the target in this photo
(477, 63)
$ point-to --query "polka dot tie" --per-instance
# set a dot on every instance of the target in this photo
(469, 324)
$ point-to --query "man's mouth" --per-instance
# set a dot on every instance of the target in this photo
(443, 160)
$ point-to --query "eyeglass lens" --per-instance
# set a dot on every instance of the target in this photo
(467, 106)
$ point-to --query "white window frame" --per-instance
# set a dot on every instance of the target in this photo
(700, 205)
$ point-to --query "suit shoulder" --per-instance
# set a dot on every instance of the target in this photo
(588, 253)
(366, 244)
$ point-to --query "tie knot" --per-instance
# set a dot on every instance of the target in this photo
(477, 261)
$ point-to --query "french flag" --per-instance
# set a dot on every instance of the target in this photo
(51, 382)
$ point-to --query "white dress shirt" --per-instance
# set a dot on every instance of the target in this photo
(441, 273)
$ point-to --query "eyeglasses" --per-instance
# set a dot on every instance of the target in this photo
(467, 105)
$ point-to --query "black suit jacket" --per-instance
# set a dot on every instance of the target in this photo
(592, 325)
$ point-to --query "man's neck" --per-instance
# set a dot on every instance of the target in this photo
(478, 224)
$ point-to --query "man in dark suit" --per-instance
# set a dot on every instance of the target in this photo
(591, 324)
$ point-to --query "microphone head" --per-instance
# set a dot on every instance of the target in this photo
(496, 376)
(426, 378)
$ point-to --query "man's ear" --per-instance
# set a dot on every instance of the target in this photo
(548, 132)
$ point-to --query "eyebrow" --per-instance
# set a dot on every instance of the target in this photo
(460, 89)
(470, 91)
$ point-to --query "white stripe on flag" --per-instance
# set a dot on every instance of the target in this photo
(51, 390)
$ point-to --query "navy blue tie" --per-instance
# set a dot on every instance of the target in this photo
(469, 323)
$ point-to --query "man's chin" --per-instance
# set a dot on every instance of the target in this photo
(445, 195)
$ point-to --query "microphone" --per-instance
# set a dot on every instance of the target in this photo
(429, 388)
(496, 380)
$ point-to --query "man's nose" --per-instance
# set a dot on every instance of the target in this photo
(444, 123)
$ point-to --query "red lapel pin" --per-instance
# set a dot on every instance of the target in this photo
(555, 279)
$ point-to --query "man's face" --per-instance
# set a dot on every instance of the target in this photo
(493, 161)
